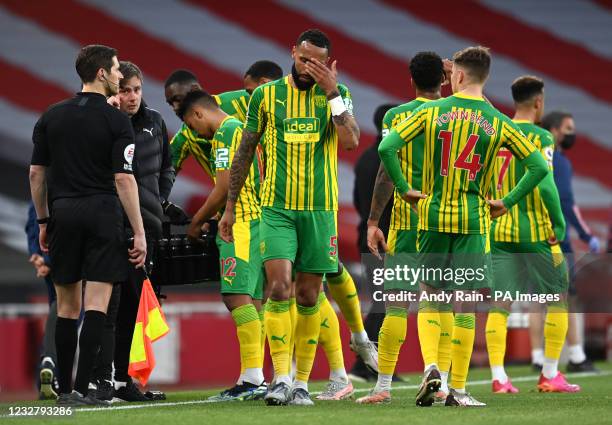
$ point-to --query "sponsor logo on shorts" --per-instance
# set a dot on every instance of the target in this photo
(312, 341)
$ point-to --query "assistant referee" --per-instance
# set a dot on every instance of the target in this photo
(82, 159)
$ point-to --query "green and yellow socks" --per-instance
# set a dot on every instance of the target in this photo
(428, 324)
(342, 288)
(555, 330)
(330, 341)
(496, 332)
(308, 325)
(390, 339)
(462, 344)
(248, 329)
(277, 321)
(447, 319)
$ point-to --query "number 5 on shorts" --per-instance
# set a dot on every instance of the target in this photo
(333, 246)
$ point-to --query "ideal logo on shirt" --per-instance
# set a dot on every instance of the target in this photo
(301, 129)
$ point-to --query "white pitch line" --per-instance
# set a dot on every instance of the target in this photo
(359, 390)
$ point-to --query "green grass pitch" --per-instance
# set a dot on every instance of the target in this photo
(591, 406)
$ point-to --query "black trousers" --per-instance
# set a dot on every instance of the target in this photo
(119, 329)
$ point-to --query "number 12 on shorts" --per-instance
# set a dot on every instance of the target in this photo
(227, 266)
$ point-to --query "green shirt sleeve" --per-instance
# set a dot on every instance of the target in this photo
(387, 150)
(345, 93)
(179, 148)
(401, 134)
(535, 170)
(221, 145)
(387, 123)
(548, 147)
(550, 197)
(256, 117)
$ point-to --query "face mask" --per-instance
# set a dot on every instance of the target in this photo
(301, 85)
(568, 141)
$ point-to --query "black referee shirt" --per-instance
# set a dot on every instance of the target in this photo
(84, 141)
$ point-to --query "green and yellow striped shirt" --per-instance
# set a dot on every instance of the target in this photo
(225, 143)
(187, 142)
(528, 220)
(411, 160)
(463, 135)
(300, 145)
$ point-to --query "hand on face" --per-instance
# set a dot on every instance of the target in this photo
(325, 77)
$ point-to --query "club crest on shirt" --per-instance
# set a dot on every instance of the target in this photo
(320, 101)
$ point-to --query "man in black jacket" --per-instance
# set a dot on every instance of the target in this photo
(155, 176)
(365, 175)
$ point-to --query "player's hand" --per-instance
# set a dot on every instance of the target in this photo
(594, 245)
(497, 207)
(175, 213)
(226, 225)
(194, 232)
(376, 238)
(138, 253)
(447, 66)
(325, 77)
(42, 238)
(43, 271)
(113, 101)
(413, 196)
(206, 227)
(37, 260)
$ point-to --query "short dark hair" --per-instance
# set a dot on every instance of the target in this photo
(199, 97)
(264, 69)
(379, 115)
(129, 70)
(476, 60)
(91, 58)
(554, 119)
(526, 88)
(316, 37)
(181, 76)
(427, 70)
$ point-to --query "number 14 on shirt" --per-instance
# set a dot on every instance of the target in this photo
(473, 166)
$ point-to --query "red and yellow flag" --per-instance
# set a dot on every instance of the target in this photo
(150, 326)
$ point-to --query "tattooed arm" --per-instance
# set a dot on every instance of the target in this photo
(383, 191)
(346, 126)
(241, 164)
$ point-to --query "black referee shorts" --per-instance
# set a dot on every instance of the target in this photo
(87, 240)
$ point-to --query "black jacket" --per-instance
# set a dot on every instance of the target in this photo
(152, 166)
(366, 170)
